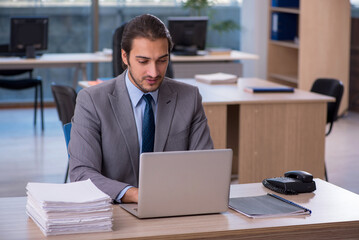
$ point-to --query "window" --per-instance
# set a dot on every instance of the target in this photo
(354, 3)
(39, 3)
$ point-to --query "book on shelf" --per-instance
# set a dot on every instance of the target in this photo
(269, 205)
(269, 89)
(284, 26)
(216, 78)
(285, 3)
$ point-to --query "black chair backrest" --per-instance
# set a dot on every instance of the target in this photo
(116, 54)
(116, 51)
(333, 88)
(65, 100)
(16, 72)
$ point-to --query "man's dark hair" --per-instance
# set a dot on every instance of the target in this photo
(144, 26)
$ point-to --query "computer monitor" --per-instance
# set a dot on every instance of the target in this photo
(188, 34)
(28, 34)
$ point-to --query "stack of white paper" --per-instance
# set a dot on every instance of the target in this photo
(78, 207)
(216, 78)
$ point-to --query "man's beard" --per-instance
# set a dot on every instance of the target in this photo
(137, 83)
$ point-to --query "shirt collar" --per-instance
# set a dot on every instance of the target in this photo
(135, 93)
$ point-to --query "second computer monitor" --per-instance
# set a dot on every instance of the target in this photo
(188, 34)
(28, 34)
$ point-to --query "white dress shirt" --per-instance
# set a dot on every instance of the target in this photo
(138, 106)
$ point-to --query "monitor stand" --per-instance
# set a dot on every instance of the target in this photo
(30, 51)
(185, 51)
(6, 52)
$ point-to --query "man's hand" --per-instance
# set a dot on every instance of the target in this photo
(131, 196)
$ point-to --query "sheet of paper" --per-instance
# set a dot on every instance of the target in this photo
(76, 192)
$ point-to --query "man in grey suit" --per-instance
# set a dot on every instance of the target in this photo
(109, 130)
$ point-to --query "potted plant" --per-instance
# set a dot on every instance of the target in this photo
(201, 7)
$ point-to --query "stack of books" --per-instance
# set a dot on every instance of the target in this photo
(78, 207)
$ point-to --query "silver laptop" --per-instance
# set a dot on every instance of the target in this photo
(183, 183)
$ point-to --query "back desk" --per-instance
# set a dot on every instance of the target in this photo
(188, 65)
(49, 60)
(335, 216)
(270, 133)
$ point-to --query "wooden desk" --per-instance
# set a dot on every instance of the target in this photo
(188, 66)
(48, 60)
(233, 56)
(79, 61)
(335, 216)
(269, 133)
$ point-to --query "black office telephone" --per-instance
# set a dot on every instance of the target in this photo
(293, 182)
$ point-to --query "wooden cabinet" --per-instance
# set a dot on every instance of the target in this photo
(321, 51)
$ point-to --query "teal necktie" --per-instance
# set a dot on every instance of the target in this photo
(148, 126)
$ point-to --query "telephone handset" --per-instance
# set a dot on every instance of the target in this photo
(293, 182)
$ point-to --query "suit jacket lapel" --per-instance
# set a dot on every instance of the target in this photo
(165, 110)
(122, 108)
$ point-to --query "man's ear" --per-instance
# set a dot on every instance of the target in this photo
(124, 57)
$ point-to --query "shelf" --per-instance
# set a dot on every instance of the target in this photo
(285, 10)
(290, 44)
(287, 78)
(321, 27)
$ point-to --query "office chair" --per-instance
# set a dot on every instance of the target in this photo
(65, 100)
(116, 51)
(117, 58)
(11, 80)
(24, 83)
(333, 88)
(67, 132)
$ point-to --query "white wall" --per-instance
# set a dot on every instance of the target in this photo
(254, 34)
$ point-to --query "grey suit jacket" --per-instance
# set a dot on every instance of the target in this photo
(104, 144)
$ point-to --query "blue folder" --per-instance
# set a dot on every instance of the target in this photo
(284, 26)
(285, 3)
(269, 89)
